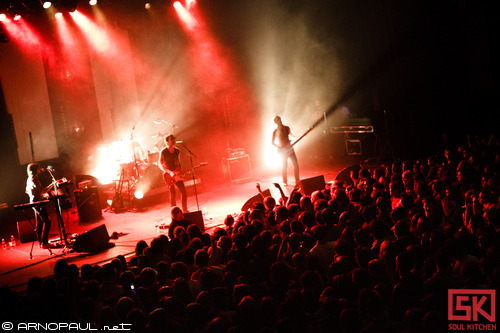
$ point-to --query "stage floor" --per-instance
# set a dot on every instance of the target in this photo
(133, 225)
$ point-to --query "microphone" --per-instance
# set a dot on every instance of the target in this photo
(49, 168)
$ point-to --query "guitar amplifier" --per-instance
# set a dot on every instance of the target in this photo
(88, 204)
(235, 152)
(237, 168)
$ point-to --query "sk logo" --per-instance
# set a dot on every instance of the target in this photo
(468, 304)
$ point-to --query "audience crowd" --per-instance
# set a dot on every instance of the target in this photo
(375, 253)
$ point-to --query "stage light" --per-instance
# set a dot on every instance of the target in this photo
(47, 4)
(186, 17)
(138, 194)
(58, 14)
(147, 5)
(92, 2)
(2, 17)
(17, 17)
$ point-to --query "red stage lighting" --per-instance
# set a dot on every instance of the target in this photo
(98, 37)
(23, 34)
(188, 20)
(2, 17)
(190, 4)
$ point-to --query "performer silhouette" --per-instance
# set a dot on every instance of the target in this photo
(36, 192)
(281, 139)
(173, 175)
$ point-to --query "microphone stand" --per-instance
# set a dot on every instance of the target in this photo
(136, 168)
(191, 154)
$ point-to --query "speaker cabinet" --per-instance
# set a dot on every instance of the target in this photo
(309, 185)
(256, 198)
(93, 240)
(353, 147)
(196, 218)
(237, 168)
(26, 231)
(88, 205)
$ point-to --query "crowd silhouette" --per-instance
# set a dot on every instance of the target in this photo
(377, 253)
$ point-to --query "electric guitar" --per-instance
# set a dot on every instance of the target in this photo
(173, 176)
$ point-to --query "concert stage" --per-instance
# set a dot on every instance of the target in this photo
(133, 225)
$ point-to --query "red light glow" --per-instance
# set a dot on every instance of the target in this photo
(187, 19)
(190, 4)
(22, 34)
(97, 36)
(69, 46)
(214, 69)
(2, 17)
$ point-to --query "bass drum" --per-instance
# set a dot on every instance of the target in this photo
(153, 157)
(153, 177)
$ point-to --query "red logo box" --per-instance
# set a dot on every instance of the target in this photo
(470, 303)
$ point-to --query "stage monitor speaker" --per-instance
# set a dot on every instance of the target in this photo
(26, 231)
(309, 185)
(256, 198)
(345, 174)
(196, 218)
(88, 205)
(93, 240)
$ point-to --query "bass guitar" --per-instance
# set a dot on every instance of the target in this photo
(286, 149)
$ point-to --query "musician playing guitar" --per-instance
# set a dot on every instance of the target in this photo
(172, 172)
(281, 139)
(37, 192)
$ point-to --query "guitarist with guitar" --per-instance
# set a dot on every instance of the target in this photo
(37, 192)
(281, 139)
(172, 173)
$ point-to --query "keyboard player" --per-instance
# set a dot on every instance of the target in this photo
(36, 192)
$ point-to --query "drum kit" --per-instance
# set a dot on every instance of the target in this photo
(138, 168)
(128, 157)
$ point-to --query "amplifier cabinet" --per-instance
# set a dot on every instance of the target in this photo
(237, 168)
(88, 204)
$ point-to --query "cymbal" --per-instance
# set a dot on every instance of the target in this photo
(159, 135)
